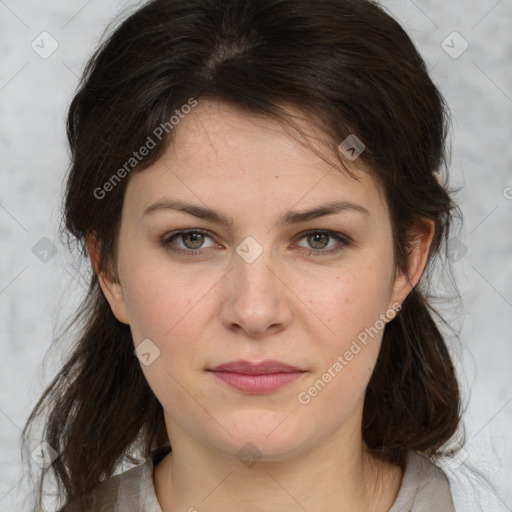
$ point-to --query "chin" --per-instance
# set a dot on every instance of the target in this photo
(264, 436)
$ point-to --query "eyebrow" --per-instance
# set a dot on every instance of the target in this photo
(288, 218)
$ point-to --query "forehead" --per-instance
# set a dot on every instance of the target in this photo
(219, 152)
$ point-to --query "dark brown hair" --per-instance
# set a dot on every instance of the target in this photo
(352, 69)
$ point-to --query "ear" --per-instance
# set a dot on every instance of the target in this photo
(108, 281)
(417, 261)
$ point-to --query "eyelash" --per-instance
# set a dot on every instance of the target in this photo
(344, 241)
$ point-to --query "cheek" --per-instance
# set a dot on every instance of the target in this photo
(166, 309)
(354, 311)
(160, 304)
(173, 306)
(155, 297)
(346, 344)
(348, 302)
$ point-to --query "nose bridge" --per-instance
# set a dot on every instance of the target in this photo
(254, 286)
(255, 299)
(255, 277)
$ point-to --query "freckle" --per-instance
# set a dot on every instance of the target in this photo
(276, 177)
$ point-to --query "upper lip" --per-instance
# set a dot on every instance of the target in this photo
(256, 368)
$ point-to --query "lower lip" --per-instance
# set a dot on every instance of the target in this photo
(256, 384)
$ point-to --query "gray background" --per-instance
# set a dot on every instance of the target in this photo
(37, 296)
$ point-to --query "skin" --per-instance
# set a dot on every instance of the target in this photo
(299, 308)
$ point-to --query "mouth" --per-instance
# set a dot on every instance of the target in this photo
(257, 378)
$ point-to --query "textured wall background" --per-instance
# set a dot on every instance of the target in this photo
(38, 289)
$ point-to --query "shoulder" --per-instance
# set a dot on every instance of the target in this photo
(123, 488)
(124, 492)
(424, 487)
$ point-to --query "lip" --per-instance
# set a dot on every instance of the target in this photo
(257, 377)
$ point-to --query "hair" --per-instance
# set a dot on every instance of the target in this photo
(353, 70)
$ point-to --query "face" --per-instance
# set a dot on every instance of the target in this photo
(265, 285)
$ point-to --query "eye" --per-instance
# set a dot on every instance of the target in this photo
(192, 240)
(318, 240)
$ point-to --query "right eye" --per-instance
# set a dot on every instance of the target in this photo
(191, 239)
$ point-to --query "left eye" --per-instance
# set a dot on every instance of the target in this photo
(319, 242)
(193, 241)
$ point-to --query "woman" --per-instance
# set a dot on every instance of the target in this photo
(257, 186)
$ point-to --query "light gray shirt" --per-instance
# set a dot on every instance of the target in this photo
(424, 488)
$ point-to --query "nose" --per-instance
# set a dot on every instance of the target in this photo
(256, 297)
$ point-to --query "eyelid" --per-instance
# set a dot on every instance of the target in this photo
(331, 233)
(167, 238)
(343, 241)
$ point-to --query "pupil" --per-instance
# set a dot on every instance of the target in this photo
(197, 242)
(194, 237)
(315, 240)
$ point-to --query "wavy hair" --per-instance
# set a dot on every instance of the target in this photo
(352, 69)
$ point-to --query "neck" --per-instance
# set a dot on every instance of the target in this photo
(325, 478)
